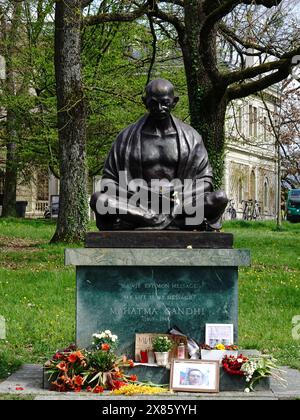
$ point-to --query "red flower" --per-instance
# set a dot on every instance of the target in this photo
(133, 378)
(118, 384)
(58, 387)
(105, 347)
(72, 358)
(57, 356)
(62, 366)
(78, 380)
(19, 388)
(233, 365)
(78, 389)
(89, 389)
(98, 389)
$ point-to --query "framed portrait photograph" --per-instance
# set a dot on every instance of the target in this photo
(195, 376)
(219, 334)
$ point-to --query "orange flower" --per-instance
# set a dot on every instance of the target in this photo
(131, 363)
(72, 358)
(79, 355)
(78, 380)
(98, 389)
(133, 378)
(62, 366)
(105, 347)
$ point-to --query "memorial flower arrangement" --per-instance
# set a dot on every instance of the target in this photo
(105, 340)
(219, 346)
(253, 369)
(93, 370)
(138, 389)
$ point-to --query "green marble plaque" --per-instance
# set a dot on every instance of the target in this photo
(141, 299)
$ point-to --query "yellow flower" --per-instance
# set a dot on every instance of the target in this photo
(138, 389)
(220, 347)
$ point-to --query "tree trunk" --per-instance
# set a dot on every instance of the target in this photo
(207, 95)
(10, 34)
(208, 118)
(11, 171)
(73, 206)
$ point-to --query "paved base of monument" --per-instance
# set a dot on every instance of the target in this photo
(28, 383)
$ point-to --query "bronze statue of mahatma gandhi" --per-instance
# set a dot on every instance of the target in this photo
(155, 151)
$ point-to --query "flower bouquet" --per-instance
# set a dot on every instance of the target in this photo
(253, 369)
(105, 340)
(218, 352)
(94, 370)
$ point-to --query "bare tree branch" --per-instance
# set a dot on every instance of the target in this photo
(247, 44)
(118, 16)
(154, 43)
(221, 8)
(250, 72)
(86, 3)
(177, 2)
(172, 19)
(240, 91)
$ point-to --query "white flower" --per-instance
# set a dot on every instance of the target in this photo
(247, 390)
(107, 332)
(114, 338)
(239, 360)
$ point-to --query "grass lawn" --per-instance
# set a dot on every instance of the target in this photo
(37, 293)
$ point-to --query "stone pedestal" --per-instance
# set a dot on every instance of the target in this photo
(150, 290)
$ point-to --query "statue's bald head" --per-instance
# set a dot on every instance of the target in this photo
(159, 98)
(159, 87)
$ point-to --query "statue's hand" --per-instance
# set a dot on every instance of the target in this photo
(176, 206)
(154, 219)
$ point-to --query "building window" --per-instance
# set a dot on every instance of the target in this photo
(240, 191)
(253, 120)
(240, 120)
(266, 194)
(252, 186)
(42, 186)
(265, 129)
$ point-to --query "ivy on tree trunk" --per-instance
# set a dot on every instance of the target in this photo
(10, 36)
(71, 112)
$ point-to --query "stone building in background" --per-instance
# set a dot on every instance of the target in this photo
(251, 157)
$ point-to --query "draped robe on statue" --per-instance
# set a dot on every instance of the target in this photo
(126, 156)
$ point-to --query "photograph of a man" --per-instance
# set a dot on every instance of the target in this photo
(194, 377)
